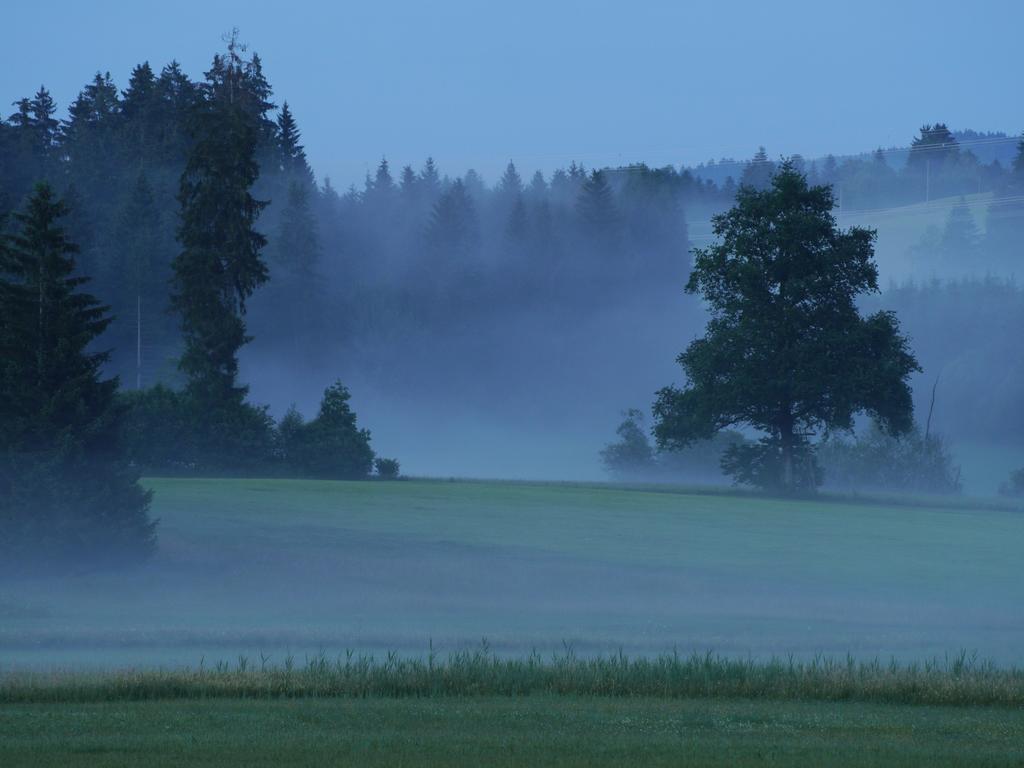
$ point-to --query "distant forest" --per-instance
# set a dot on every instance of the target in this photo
(421, 249)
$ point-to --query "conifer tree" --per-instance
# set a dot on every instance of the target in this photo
(510, 184)
(297, 248)
(596, 208)
(407, 183)
(293, 155)
(453, 231)
(759, 171)
(219, 265)
(538, 188)
(517, 226)
(66, 497)
(142, 115)
(45, 127)
(430, 180)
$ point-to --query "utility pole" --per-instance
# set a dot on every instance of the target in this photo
(138, 341)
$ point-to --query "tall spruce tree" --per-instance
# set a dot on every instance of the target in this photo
(293, 161)
(220, 263)
(759, 171)
(66, 496)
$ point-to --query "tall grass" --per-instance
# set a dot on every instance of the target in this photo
(960, 681)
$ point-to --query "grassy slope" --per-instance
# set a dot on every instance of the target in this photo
(252, 565)
(532, 731)
(840, 541)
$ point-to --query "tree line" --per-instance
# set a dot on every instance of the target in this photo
(71, 447)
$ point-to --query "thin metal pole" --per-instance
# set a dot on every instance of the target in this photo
(138, 341)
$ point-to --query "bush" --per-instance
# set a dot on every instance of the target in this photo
(165, 431)
(632, 455)
(701, 461)
(387, 469)
(633, 458)
(1014, 486)
(329, 446)
(877, 461)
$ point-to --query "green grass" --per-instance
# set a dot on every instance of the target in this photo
(250, 565)
(533, 731)
(961, 681)
(285, 567)
(832, 537)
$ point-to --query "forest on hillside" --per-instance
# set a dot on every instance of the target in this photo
(506, 276)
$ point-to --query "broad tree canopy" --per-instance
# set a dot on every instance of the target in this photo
(786, 350)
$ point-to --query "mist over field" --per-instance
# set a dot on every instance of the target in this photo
(282, 377)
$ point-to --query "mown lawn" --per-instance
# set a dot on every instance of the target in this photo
(529, 731)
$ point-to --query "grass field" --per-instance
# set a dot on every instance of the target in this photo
(503, 731)
(261, 573)
(275, 566)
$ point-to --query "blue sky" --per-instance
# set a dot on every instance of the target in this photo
(478, 83)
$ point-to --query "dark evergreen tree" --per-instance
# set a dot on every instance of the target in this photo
(140, 107)
(67, 498)
(759, 171)
(293, 156)
(597, 211)
(380, 190)
(407, 185)
(509, 188)
(453, 232)
(934, 146)
(331, 445)
(538, 189)
(219, 265)
(517, 227)
(430, 181)
(45, 127)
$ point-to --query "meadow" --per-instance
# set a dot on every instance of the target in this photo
(282, 566)
(313, 622)
(506, 731)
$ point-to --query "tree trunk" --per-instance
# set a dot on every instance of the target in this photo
(786, 449)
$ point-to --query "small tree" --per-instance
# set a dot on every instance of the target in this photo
(331, 445)
(632, 454)
(786, 350)
(387, 469)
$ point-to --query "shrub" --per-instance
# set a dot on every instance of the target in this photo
(331, 445)
(1014, 486)
(877, 461)
(632, 455)
(387, 469)
(166, 431)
